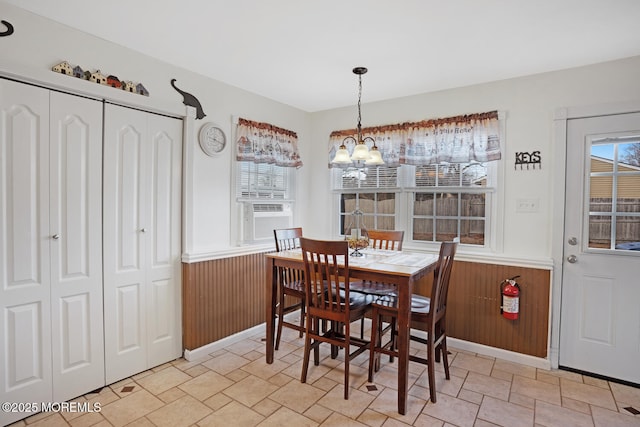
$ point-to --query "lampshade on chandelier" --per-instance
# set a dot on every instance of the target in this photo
(361, 153)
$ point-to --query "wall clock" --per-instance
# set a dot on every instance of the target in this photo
(212, 139)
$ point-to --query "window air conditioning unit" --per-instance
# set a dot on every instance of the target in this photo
(260, 219)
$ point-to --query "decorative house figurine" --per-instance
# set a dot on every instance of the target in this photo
(99, 78)
(141, 90)
(63, 68)
(78, 72)
(113, 81)
(129, 86)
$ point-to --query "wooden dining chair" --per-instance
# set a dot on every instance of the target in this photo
(290, 283)
(390, 240)
(427, 314)
(330, 302)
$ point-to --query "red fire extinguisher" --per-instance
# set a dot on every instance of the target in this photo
(510, 303)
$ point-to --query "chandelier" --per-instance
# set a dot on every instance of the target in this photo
(361, 152)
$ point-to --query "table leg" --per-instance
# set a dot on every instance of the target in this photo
(404, 320)
(271, 283)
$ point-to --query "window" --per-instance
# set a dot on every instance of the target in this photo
(449, 201)
(260, 181)
(372, 191)
(443, 201)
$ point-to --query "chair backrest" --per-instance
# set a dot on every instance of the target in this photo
(287, 238)
(386, 239)
(325, 295)
(441, 276)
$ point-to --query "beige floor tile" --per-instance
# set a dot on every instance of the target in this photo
(555, 416)
(225, 363)
(488, 386)
(387, 403)
(576, 405)
(243, 347)
(266, 407)
(453, 410)
(130, 408)
(287, 417)
(171, 395)
(180, 413)
(605, 418)
(536, 389)
(515, 368)
(470, 396)
(356, 404)
(339, 420)
(473, 363)
(233, 414)
(264, 370)
(587, 393)
(163, 380)
(519, 399)
(318, 413)
(425, 420)
(372, 418)
(626, 394)
(505, 414)
(205, 385)
(217, 401)
(250, 390)
(87, 419)
(297, 396)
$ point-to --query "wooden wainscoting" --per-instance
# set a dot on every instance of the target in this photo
(226, 296)
(473, 310)
(222, 297)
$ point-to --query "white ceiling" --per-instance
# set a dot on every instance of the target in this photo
(301, 52)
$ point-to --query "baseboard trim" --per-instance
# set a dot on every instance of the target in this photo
(203, 351)
(511, 356)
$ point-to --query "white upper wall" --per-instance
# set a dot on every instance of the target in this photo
(38, 44)
(529, 104)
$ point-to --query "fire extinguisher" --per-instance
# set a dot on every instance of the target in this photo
(510, 303)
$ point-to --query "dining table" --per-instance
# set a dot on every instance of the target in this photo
(402, 268)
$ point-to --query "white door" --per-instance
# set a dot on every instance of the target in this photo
(142, 205)
(25, 238)
(600, 318)
(76, 246)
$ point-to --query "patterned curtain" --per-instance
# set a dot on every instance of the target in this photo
(264, 143)
(460, 139)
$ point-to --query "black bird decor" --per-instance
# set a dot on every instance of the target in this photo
(9, 29)
(189, 99)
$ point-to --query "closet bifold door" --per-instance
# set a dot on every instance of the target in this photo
(141, 208)
(51, 341)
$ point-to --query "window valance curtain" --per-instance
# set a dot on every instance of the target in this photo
(459, 139)
(264, 143)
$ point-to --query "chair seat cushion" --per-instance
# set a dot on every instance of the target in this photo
(356, 299)
(372, 288)
(419, 303)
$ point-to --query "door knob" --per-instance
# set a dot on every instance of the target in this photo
(144, 230)
(573, 241)
(572, 259)
(55, 236)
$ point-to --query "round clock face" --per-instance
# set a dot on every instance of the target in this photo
(212, 139)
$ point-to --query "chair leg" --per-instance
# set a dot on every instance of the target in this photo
(373, 343)
(305, 360)
(302, 314)
(346, 367)
(431, 371)
(445, 357)
(280, 316)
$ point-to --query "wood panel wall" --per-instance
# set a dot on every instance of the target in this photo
(226, 296)
(221, 298)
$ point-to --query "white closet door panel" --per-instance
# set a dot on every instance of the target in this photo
(164, 292)
(76, 253)
(25, 349)
(125, 231)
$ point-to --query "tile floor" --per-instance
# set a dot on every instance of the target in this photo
(235, 387)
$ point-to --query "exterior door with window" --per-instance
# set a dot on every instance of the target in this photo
(600, 318)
